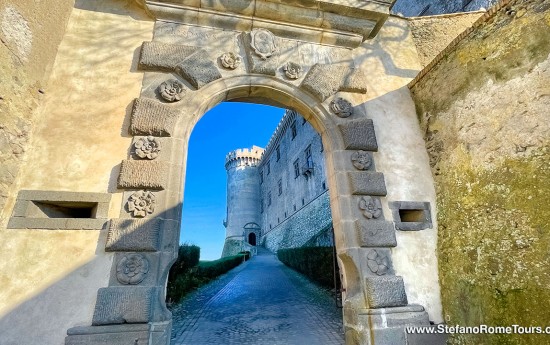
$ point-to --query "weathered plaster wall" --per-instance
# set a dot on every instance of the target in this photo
(433, 34)
(484, 112)
(50, 278)
(30, 33)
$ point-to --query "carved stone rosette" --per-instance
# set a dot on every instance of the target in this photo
(378, 262)
(132, 269)
(141, 203)
(147, 147)
(371, 207)
(341, 107)
(171, 90)
(230, 60)
(361, 160)
(263, 42)
(292, 70)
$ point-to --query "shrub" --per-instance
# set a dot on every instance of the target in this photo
(188, 273)
(314, 262)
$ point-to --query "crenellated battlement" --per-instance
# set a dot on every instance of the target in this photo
(244, 157)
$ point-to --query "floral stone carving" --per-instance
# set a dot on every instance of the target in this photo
(361, 160)
(292, 70)
(171, 90)
(230, 60)
(147, 147)
(378, 263)
(371, 207)
(132, 269)
(141, 203)
(341, 107)
(263, 42)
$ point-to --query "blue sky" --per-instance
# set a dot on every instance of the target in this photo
(226, 127)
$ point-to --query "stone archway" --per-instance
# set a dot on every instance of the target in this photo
(182, 82)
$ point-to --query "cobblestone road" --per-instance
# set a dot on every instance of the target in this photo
(260, 302)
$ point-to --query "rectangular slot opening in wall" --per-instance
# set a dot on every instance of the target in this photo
(412, 216)
(62, 209)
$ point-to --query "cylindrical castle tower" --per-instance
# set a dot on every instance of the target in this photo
(243, 199)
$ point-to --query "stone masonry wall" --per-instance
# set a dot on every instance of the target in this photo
(297, 230)
(30, 33)
(484, 110)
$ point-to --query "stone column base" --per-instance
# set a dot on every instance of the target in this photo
(126, 334)
(384, 326)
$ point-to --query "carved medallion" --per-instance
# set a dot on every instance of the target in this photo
(263, 42)
(378, 262)
(132, 269)
(141, 203)
(341, 107)
(147, 148)
(371, 207)
(230, 60)
(292, 70)
(171, 90)
(361, 160)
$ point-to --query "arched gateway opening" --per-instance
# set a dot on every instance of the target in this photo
(252, 239)
(326, 86)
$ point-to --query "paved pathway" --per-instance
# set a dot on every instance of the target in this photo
(260, 302)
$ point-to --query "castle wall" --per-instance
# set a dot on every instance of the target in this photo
(296, 191)
(412, 8)
(297, 230)
(50, 278)
(484, 112)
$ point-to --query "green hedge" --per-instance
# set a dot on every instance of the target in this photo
(188, 273)
(314, 262)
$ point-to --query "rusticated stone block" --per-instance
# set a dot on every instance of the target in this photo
(143, 174)
(375, 233)
(116, 305)
(385, 291)
(157, 56)
(355, 82)
(359, 135)
(198, 69)
(325, 80)
(367, 183)
(150, 117)
(133, 235)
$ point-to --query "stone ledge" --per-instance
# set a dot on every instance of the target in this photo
(56, 223)
(344, 24)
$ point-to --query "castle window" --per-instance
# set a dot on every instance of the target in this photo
(261, 176)
(269, 199)
(278, 153)
(268, 167)
(296, 168)
(293, 129)
(280, 184)
(303, 201)
(309, 159)
(324, 186)
(294, 207)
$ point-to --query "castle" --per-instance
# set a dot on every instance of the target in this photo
(278, 197)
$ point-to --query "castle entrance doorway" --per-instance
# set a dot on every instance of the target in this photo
(252, 239)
